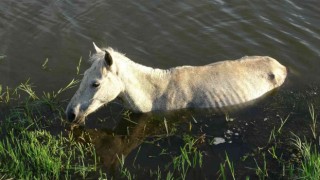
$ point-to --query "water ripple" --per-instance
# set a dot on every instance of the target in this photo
(170, 33)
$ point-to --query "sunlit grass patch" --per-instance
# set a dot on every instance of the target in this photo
(310, 161)
(28, 149)
(38, 154)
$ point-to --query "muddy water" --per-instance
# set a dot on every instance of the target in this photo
(158, 34)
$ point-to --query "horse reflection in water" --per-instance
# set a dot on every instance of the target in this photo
(126, 137)
(145, 89)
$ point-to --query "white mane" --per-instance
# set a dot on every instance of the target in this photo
(121, 60)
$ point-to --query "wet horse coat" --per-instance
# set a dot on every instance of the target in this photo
(144, 89)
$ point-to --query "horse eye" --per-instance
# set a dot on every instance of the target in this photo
(271, 76)
(95, 84)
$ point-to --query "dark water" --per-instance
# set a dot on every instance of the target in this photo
(155, 33)
(158, 34)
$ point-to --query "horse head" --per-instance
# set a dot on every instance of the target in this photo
(99, 86)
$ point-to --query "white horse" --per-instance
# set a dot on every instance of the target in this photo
(144, 89)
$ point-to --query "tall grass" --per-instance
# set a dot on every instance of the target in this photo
(190, 157)
(39, 155)
(124, 172)
(310, 163)
(222, 171)
(314, 117)
(283, 122)
(27, 150)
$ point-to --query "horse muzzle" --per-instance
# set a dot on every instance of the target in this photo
(74, 114)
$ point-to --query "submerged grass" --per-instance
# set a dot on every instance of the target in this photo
(188, 158)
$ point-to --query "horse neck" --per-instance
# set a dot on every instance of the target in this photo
(142, 84)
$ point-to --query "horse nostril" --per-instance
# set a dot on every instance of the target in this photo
(71, 115)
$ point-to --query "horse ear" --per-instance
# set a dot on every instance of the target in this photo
(96, 48)
(108, 58)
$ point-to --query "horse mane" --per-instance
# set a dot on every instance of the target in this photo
(116, 55)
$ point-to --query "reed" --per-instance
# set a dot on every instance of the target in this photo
(223, 171)
(310, 163)
(314, 117)
(190, 157)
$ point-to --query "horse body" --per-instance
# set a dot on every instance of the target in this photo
(215, 85)
(144, 89)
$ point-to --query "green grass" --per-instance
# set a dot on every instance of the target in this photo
(262, 170)
(283, 122)
(314, 117)
(310, 162)
(5, 94)
(223, 167)
(124, 172)
(28, 150)
(39, 155)
(304, 159)
(190, 157)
